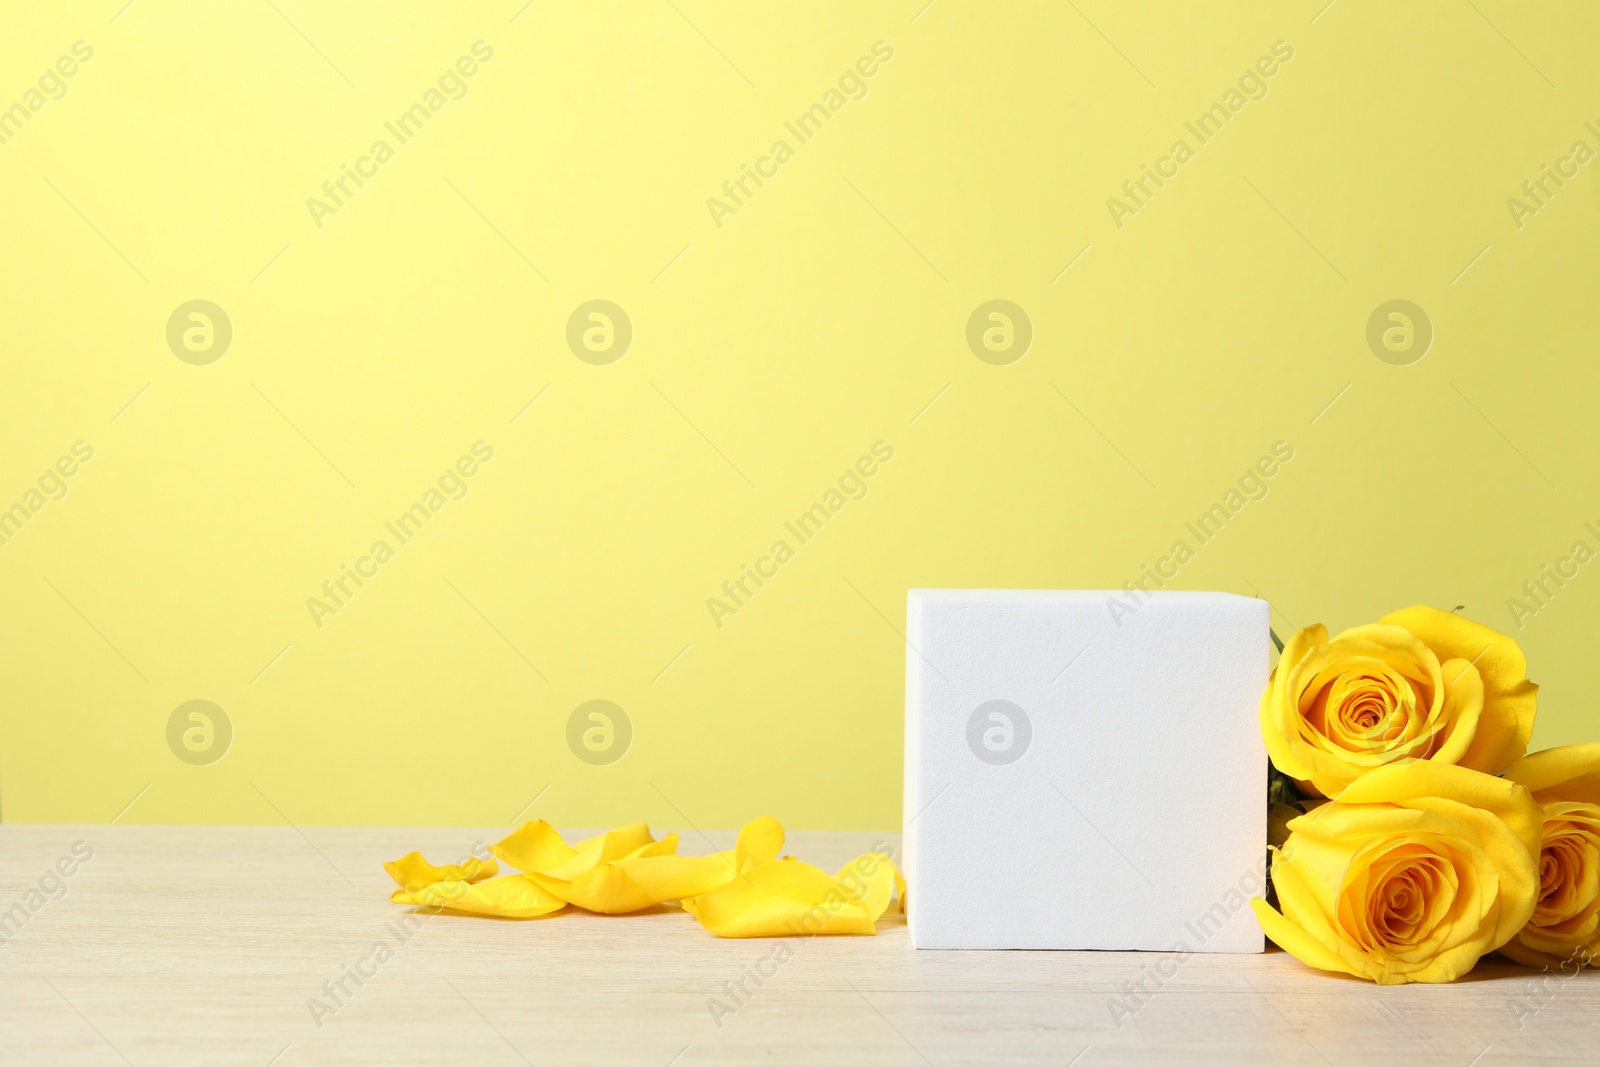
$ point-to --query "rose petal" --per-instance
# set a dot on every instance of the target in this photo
(1509, 699)
(512, 897)
(411, 870)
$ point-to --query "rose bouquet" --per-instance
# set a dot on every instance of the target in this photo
(1410, 834)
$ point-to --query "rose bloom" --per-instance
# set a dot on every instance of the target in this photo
(1413, 874)
(1419, 684)
(1566, 921)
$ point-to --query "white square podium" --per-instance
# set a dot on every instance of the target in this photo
(1080, 776)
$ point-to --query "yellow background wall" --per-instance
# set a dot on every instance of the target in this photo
(829, 312)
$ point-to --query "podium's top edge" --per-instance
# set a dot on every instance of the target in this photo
(1067, 594)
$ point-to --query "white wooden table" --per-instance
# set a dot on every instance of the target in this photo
(202, 945)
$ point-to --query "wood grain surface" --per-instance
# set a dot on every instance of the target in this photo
(176, 945)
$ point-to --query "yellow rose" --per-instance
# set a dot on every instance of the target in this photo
(1419, 684)
(1565, 927)
(1412, 875)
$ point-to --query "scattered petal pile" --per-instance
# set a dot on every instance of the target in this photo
(744, 892)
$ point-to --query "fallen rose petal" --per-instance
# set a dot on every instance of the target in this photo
(512, 897)
(412, 870)
(783, 898)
